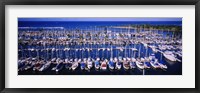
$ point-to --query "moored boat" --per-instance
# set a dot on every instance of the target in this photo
(118, 64)
(97, 64)
(104, 65)
(75, 64)
(45, 66)
(139, 64)
(89, 63)
(111, 64)
(169, 56)
(132, 63)
(126, 65)
(59, 66)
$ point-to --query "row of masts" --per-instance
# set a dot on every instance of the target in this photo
(79, 40)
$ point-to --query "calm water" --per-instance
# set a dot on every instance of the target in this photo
(80, 24)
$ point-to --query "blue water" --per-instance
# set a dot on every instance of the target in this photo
(80, 24)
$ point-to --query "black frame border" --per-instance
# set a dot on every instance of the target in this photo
(3, 3)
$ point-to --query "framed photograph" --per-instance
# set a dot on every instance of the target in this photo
(112, 46)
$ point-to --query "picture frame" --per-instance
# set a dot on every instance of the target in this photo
(98, 2)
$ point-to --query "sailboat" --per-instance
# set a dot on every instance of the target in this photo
(154, 61)
(45, 66)
(29, 62)
(22, 64)
(38, 65)
(67, 64)
(57, 62)
(140, 61)
(74, 64)
(139, 64)
(119, 64)
(97, 64)
(132, 63)
(162, 65)
(126, 64)
(89, 63)
(59, 65)
(83, 64)
(146, 60)
(48, 63)
(111, 64)
(104, 64)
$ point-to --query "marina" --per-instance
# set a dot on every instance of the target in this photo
(100, 48)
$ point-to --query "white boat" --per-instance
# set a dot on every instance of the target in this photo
(132, 63)
(115, 60)
(139, 64)
(126, 65)
(97, 64)
(29, 65)
(169, 56)
(68, 64)
(153, 48)
(22, 64)
(111, 64)
(83, 64)
(59, 66)
(142, 59)
(162, 65)
(179, 53)
(56, 62)
(134, 49)
(162, 47)
(53, 60)
(145, 44)
(154, 63)
(45, 66)
(89, 63)
(146, 59)
(74, 64)
(118, 64)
